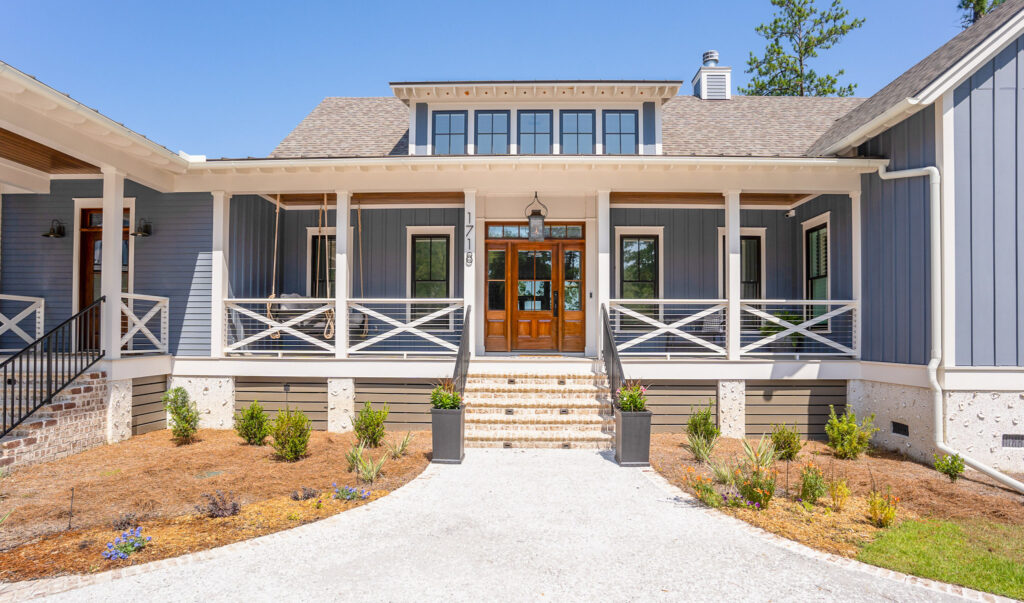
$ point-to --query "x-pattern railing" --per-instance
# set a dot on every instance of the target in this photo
(640, 325)
(827, 322)
(35, 308)
(291, 324)
(407, 323)
(133, 326)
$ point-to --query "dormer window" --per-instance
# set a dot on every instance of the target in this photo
(449, 133)
(534, 132)
(492, 130)
(577, 136)
(620, 132)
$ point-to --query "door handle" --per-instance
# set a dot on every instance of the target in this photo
(556, 302)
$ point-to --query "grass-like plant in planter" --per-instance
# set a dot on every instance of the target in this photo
(291, 432)
(184, 415)
(252, 424)
(447, 422)
(632, 426)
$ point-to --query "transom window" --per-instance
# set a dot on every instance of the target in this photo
(492, 132)
(620, 132)
(430, 266)
(577, 132)
(534, 132)
(449, 132)
(522, 231)
(638, 256)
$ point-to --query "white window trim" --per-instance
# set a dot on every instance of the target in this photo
(748, 231)
(97, 203)
(448, 231)
(642, 231)
(806, 225)
(312, 231)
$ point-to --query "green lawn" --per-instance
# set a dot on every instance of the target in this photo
(982, 555)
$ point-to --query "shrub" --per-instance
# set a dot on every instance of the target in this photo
(219, 505)
(349, 493)
(130, 541)
(369, 425)
(353, 456)
(787, 442)
(846, 438)
(951, 466)
(632, 397)
(400, 449)
(724, 474)
(370, 471)
(812, 484)
(757, 486)
(702, 424)
(706, 492)
(184, 415)
(125, 521)
(701, 447)
(444, 396)
(305, 493)
(762, 457)
(839, 492)
(882, 508)
(252, 424)
(291, 434)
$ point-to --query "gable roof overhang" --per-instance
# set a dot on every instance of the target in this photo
(532, 90)
(884, 110)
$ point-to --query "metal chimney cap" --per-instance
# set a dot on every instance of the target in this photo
(711, 58)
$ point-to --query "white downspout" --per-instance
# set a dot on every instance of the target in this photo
(935, 264)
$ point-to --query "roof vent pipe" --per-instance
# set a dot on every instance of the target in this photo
(712, 82)
(711, 58)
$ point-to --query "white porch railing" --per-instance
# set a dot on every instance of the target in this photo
(279, 326)
(26, 323)
(150, 333)
(668, 327)
(799, 328)
(404, 327)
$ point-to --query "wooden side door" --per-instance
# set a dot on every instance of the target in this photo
(572, 291)
(496, 297)
(90, 268)
(535, 296)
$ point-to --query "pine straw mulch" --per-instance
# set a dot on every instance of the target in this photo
(162, 483)
(923, 493)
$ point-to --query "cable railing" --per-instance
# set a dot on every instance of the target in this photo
(610, 355)
(405, 327)
(145, 325)
(780, 327)
(25, 323)
(668, 327)
(279, 326)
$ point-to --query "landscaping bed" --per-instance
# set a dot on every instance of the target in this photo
(980, 522)
(150, 481)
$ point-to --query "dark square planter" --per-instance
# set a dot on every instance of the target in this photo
(448, 430)
(633, 438)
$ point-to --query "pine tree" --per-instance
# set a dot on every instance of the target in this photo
(976, 9)
(798, 31)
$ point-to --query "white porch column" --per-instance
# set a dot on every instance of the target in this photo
(732, 273)
(604, 261)
(855, 271)
(469, 270)
(341, 278)
(110, 280)
(220, 275)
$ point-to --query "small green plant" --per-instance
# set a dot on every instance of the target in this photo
(293, 516)
(725, 474)
(349, 493)
(882, 508)
(184, 415)
(787, 442)
(6, 515)
(701, 447)
(839, 493)
(950, 466)
(706, 492)
(125, 521)
(354, 456)
(130, 541)
(370, 471)
(757, 487)
(444, 396)
(761, 457)
(702, 423)
(219, 505)
(252, 424)
(401, 448)
(291, 433)
(812, 484)
(846, 437)
(632, 397)
(369, 425)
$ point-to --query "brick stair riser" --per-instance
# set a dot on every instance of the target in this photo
(585, 413)
(531, 445)
(558, 382)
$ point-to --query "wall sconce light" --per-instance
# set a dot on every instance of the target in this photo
(56, 230)
(144, 229)
(536, 219)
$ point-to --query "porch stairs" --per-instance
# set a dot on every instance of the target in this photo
(25, 434)
(550, 410)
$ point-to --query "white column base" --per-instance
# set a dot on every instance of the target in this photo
(119, 410)
(341, 404)
(732, 408)
(213, 396)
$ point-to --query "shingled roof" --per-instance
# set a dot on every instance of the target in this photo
(918, 77)
(745, 126)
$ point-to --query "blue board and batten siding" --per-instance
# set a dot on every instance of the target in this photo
(174, 262)
(989, 208)
(895, 306)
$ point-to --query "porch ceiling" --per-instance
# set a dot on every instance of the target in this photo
(37, 156)
(697, 198)
(404, 198)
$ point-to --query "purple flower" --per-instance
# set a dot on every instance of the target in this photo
(148, 538)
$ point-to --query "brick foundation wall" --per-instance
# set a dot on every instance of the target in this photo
(76, 421)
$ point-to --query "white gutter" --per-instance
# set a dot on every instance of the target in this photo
(935, 263)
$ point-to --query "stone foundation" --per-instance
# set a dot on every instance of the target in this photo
(341, 403)
(119, 410)
(213, 396)
(903, 403)
(732, 408)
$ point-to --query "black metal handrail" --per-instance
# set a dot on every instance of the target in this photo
(462, 358)
(37, 373)
(610, 355)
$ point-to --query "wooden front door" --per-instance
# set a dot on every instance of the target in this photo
(535, 296)
(90, 266)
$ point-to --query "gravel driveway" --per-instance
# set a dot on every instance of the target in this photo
(509, 525)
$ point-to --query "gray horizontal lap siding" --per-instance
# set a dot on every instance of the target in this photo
(989, 208)
(895, 308)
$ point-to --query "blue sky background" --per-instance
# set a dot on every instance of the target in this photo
(233, 78)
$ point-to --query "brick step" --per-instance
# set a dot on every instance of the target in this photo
(548, 420)
(552, 380)
(567, 391)
(502, 402)
(538, 439)
(474, 410)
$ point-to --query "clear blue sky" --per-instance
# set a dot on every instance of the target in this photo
(233, 78)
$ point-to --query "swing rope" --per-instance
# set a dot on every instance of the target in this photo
(273, 282)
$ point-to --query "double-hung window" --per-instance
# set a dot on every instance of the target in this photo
(449, 133)
(638, 256)
(751, 264)
(620, 132)
(577, 136)
(535, 132)
(491, 132)
(816, 269)
(430, 263)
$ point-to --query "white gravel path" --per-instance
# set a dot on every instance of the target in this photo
(510, 525)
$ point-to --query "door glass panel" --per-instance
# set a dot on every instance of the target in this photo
(526, 270)
(542, 264)
(496, 264)
(573, 303)
(571, 286)
(572, 265)
(542, 296)
(496, 295)
(534, 287)
(524, 294)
